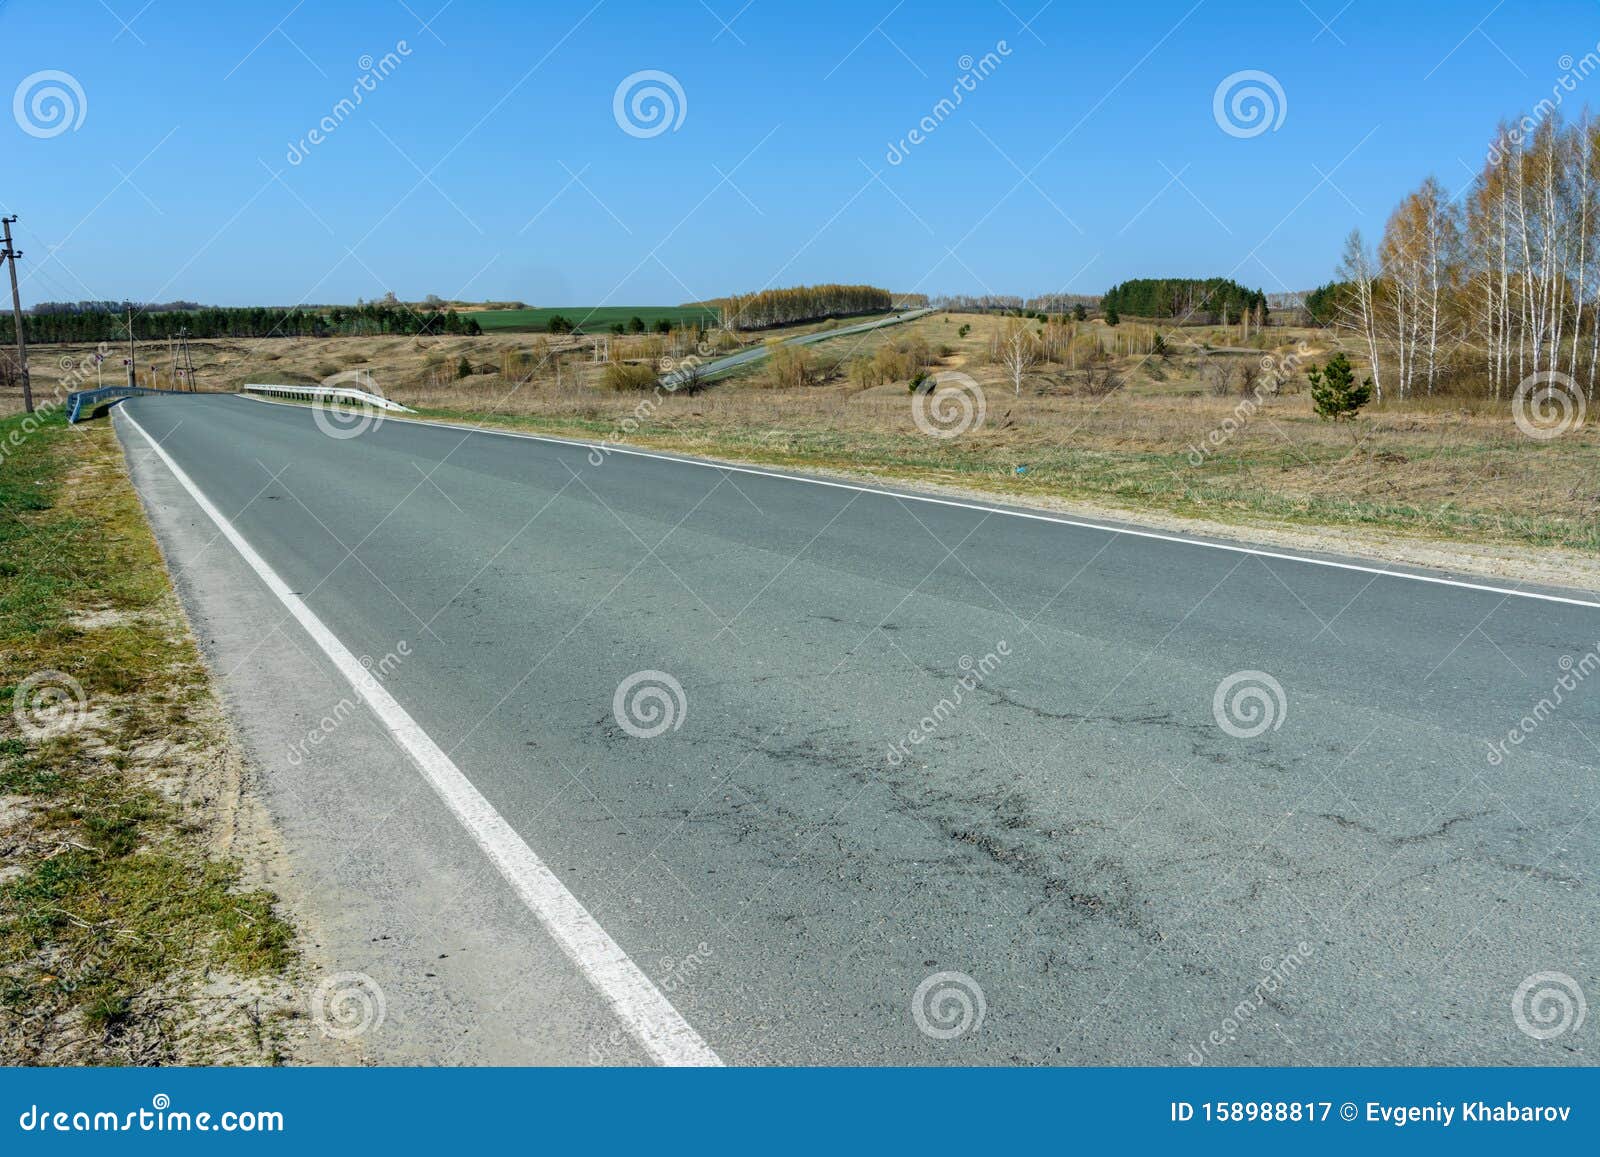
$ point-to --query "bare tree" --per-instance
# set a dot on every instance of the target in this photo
(1359, 312)
(1018, 352)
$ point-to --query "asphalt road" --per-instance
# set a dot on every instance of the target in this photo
(720, 366)
(1124, 879)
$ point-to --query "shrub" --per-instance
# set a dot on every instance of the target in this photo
(864, 373)
(789, 366)
(463, 367)
(1098, 381)
(636, 324)
(902, 358)
(628, 376)
(558, 324)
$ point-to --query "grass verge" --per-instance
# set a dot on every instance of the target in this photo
(1351, 492)
(127, 934)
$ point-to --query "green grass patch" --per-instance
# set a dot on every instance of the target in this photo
(118, 913)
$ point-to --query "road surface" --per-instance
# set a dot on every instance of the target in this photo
(720, 366)
(920, 746)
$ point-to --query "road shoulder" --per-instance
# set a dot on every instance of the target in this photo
(413, 935)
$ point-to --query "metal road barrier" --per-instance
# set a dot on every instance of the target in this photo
(91, 400)
(327, 393)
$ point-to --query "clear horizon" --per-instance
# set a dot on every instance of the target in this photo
(486, 152)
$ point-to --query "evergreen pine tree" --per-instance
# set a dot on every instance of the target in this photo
(1334, 391)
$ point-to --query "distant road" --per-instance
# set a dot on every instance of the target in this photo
(920, 745)
(756, 353)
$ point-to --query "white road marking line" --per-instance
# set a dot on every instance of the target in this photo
(614, 448)
(641, 1007)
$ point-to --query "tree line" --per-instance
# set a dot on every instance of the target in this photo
(771, 307)
(1205, 301)
(110, 325)
(1487, 288)
(1046, 303)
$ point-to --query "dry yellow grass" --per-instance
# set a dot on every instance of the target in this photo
(1166, 441)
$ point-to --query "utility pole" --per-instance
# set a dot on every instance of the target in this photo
(11, 255)
(188, 361)
(133, 377)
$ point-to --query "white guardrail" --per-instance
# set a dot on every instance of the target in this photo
(327, 393)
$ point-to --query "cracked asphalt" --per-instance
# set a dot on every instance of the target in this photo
(1124, 879)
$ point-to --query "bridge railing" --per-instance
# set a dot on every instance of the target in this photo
(326, 394)
(91, 400)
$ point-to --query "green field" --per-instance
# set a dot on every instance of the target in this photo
(590, 319)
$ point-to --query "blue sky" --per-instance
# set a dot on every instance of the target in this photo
(489, 163)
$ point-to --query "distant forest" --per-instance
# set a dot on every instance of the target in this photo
(1207, 300)
(107, 322)
(770, 307)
